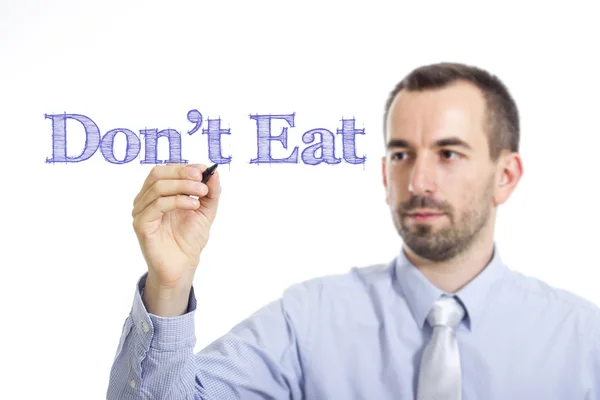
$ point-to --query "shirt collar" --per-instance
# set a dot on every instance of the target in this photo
(421, 294)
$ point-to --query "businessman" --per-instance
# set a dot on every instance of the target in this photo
(446, 319)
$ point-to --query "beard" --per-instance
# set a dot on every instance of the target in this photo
(451, 240)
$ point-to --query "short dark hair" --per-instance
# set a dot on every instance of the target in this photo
(502, 114)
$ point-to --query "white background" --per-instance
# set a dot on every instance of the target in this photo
(70, 259)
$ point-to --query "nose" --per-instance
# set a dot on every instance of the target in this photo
(422, 177)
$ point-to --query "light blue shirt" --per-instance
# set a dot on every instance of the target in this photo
(360, 335)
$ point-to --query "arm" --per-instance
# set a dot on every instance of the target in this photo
(593, 377)
(260, 358)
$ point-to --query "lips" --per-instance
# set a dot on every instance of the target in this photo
(425, 217)
(424, 214)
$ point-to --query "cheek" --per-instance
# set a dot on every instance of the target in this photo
(468, 201)
(478, 196)
(397, 189)
(461, 192)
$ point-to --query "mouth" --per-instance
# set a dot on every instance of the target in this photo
(424, 216)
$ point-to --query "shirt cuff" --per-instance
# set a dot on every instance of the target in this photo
(163, 333)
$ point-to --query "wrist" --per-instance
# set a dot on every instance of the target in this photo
(166, 301)
(170, 290)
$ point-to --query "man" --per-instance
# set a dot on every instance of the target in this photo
(446, 319)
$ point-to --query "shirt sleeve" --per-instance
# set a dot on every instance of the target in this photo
(260, 358)
(594, 390)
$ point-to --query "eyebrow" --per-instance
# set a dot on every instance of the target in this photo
(451, 141)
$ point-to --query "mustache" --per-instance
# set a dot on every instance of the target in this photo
(417, 202)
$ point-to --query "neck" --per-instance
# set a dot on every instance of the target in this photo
(452, 275)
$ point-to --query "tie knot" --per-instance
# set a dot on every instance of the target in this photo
(446, 311)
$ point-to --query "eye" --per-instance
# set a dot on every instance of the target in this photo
(447, 154)
(397, 155)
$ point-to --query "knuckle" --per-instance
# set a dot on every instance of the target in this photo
(182, 171)
(138, 197)
(155, 171)
(157, 188)
(135, 224)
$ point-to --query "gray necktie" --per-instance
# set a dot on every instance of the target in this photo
(439, 375)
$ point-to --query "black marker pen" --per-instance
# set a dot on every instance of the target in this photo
(209, 172)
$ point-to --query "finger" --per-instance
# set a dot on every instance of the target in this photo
(163, 205)
(165, 188)
(209, 203)
(170, 171)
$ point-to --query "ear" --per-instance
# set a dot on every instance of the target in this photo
(510, 171)
(384, 179)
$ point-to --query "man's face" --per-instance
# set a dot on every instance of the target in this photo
(437, 162)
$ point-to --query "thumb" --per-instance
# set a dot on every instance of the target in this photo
(210, 202)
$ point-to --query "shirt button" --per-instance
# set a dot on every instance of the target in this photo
(145, 327)
(132, 383)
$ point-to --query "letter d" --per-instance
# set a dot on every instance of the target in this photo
(59, 138)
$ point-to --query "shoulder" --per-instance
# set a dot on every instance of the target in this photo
(569, 321)
(338, 298)
(553, 296)
(555, 308)
(353, 281)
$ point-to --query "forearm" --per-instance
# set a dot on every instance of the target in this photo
(259, 356)
(155, 354)
(166, 302)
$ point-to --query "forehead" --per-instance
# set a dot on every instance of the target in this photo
(423, 117)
